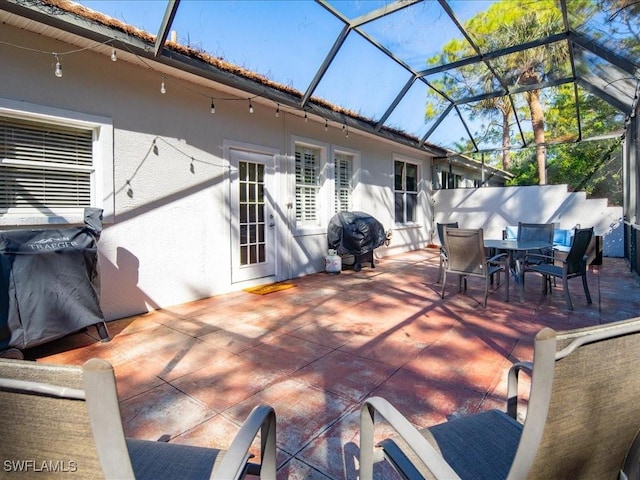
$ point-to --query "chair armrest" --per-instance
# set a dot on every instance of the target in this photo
(512, 386)
(261, 419)
(500, 258)
(561, 248)
(422, 448)
(538, 256)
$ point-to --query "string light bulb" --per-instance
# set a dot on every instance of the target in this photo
(162, 87)
(326, 125)
(305, 117)
(250, 107)
(277, 110)
(213, 107)
(114, 55)
(58, 69)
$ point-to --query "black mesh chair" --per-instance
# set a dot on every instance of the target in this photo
(537, 232)
(574, 265)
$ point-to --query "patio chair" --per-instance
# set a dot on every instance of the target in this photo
(443, 252)
(532, 232)
(574, 265)
(581, 421)
(68, 419)
(466, 257)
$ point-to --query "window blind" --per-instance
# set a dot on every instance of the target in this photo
(307, 184)
(44, 165)
(343, 186)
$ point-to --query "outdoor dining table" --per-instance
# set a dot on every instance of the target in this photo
(510, 246)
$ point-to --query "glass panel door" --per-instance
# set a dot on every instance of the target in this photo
(252, 215)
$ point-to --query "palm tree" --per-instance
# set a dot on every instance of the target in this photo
(504, 24)
(533, 66)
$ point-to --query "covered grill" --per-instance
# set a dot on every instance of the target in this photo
(49, 283)
(357, 234)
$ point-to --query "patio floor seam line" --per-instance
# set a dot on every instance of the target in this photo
(347, 412)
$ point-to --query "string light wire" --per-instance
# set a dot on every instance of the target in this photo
(114, 58)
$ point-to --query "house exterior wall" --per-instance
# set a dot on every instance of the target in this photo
(166, 195)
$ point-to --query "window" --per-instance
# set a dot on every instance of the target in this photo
(325, 181)
(251, 206)
(406, 191)
(53, 164)
(343, 182)
(44, 165)
(307, 184)
(451, 180)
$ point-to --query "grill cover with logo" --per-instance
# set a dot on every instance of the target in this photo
(49, 283)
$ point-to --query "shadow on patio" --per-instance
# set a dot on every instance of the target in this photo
(191, 373)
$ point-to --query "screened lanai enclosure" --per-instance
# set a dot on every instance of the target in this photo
(516, 85)
(438, 71)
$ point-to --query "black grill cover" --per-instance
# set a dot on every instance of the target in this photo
(354, 233)
(49, 283)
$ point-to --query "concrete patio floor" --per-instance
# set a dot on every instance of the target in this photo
(192, 373)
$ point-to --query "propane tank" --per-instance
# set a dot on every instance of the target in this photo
(333, 262)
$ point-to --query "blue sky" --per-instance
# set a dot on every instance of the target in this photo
(288, 40)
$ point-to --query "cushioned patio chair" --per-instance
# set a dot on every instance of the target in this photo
(443, 251)
(67, 418)
(574, 265)
(582, 418)
(466, 257)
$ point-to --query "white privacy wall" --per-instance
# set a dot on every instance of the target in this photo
(494, 208)
(167, 228)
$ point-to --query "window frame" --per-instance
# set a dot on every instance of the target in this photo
(320, 221)
(355, 158)
(101, 177)
(418, 166)
(325, 199)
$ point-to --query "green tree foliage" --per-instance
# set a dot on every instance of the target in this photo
(558, 153)
(504, 24)
(591, 166)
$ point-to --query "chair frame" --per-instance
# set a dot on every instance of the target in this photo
(478, 265)
(443, 252)
(537, 231)
(94, 384)
(546, 231)
(573, 265)
(601, 447)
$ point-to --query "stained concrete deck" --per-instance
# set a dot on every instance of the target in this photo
(191, 373)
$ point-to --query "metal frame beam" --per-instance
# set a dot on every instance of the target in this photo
(167, 20)
(90, 30)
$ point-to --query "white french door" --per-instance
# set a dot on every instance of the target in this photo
(252, 215)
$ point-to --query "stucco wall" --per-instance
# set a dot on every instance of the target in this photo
(167, 233)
